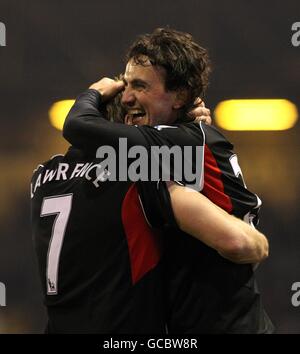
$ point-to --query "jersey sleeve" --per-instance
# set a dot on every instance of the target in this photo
(224, 182)
(86, 127)
(156, 204)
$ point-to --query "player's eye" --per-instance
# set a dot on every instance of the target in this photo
(139, 86)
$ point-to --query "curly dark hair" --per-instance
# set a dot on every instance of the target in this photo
(186, 63)
(114, 110)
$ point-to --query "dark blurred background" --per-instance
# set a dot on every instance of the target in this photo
(56, 49)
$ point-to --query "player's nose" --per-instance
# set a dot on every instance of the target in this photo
(128, 97)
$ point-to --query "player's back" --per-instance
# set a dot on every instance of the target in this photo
(99, 261)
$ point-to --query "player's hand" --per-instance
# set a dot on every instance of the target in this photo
(108, 88)
(200, 113)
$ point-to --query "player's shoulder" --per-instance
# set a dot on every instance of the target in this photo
(213, 136)
(164, 126)
(187, 131)
(54, 160)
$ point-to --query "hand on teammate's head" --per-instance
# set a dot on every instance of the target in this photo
(108, 88)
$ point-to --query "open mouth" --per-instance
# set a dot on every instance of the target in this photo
(136, 114)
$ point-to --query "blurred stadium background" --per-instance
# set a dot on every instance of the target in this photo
(55, 49)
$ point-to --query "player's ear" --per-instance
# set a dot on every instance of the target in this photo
(181, 98)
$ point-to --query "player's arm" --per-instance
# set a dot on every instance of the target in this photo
(233, 238)
(175, 206)
(87, 128)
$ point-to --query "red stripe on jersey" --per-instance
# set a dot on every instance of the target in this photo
(143, 242)
(213, 184)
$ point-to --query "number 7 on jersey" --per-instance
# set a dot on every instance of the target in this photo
(61, 206)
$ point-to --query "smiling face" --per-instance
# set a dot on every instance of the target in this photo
(145, 98)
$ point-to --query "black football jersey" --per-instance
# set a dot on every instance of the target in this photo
(98, 258)
(206, 293)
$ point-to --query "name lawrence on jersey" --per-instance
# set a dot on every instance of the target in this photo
(65, 171)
